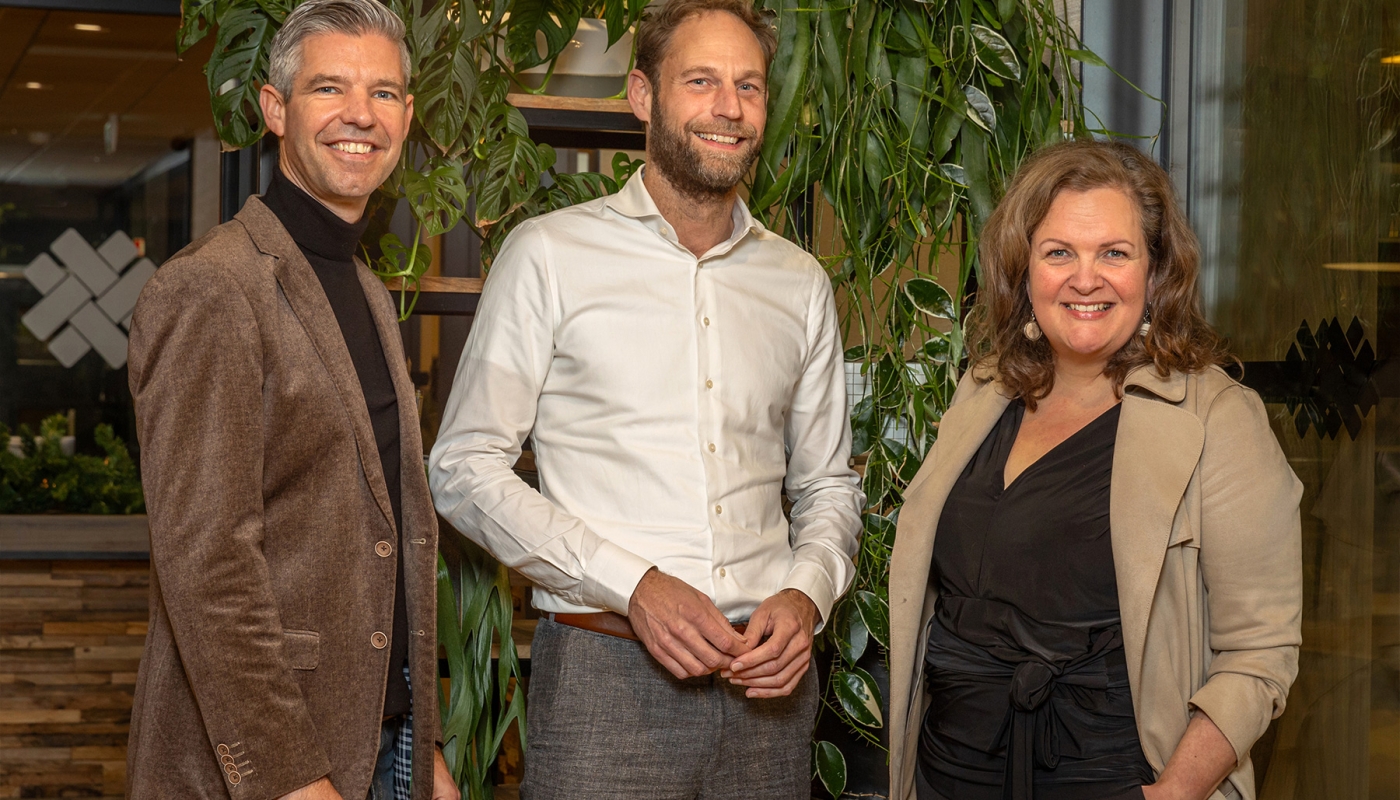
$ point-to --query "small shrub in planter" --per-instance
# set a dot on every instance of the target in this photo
(44, 479)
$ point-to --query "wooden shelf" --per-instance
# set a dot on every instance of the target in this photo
(443, 296)
(586, 123)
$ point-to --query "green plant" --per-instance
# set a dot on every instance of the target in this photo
(474, 613)
(467, 148)
(43, 479)
(892, 127)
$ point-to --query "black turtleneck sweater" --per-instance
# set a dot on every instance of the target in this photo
(329, 242)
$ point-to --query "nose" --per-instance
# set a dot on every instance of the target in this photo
(727, 105)
(1086, 278)
(357, 110)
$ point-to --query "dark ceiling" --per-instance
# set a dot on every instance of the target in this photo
(59, 84)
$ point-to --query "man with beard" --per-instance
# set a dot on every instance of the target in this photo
(680, 366)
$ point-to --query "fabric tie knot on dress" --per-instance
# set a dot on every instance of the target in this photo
(1031, 684)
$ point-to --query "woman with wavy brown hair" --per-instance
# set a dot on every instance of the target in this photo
(1096, 584)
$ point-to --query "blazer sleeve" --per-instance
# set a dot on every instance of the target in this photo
(1251, 562)
(196, 378)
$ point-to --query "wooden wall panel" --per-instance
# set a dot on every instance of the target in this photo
(71, 634)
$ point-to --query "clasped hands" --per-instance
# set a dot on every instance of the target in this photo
(687, 634)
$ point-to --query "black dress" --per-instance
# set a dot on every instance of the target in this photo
(1025, 667)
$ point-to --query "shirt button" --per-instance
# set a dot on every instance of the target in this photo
(709, 384)
(719, 509)
(721, 572)
(707, 322)
(712, 447)
(383, 549)
(379, 640)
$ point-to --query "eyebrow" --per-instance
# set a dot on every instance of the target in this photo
(1113, 243)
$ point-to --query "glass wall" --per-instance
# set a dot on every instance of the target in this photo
(1294, 188)
(104, 133)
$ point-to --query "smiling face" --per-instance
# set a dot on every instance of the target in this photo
(345, 122)
(708, 107)
(1089, 275)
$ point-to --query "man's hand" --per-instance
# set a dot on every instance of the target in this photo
(444, 787)
(784, 624)
(320, 790)
(681, 628)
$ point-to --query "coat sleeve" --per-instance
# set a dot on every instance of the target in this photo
(1251, 562)
(196, 379)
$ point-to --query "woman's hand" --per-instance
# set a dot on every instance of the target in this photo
(1202, 760)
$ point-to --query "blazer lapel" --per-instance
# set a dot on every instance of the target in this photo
(1157, 450)
(303, 291)
(386, 322)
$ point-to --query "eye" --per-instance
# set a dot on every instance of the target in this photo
(1058, 252)
(385, 94)
(699, 81)
(1116, 254)
(325, 90)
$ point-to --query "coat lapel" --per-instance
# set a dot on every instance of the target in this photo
(962, 430)
(1158, 447)
(303, 291)
(413, 479)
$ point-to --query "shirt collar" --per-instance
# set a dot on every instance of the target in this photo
(634, 201)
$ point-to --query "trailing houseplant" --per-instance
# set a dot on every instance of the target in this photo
(892, 127)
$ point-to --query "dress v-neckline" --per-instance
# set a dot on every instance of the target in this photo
(1020, 418)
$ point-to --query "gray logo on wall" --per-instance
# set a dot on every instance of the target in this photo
(88, 296)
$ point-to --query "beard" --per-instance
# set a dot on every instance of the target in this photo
(699, 175)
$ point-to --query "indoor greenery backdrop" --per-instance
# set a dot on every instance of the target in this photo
(893, 125)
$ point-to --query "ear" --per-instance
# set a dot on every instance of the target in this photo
(274, 109)
(407, 114)
(639, 94)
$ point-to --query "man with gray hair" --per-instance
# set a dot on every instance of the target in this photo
(293, 540)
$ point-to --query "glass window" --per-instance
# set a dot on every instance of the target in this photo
(105, 138)
(1294, 189)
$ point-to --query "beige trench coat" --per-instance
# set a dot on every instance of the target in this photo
(1206, 547)
(273, 549)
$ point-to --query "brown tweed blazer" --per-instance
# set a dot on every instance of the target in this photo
(273, 549)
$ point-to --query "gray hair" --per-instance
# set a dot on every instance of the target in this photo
(351, 17)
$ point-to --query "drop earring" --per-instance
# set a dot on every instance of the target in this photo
(1146, 322)
(1031, 330)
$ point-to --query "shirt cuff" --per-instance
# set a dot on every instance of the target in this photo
(612, 575)
(811, 580)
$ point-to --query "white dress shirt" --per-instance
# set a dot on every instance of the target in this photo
(670, 399)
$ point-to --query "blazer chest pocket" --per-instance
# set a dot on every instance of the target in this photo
(303, 649)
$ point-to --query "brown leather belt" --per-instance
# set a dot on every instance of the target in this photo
(609, 623)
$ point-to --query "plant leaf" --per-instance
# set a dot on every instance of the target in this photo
(875, 612)
(995, 53)
(954, 173)
(983, 113)
(831, 767)
(850, 633)
(859, 697)
(556, 19)
(1088, 57)
(437, 195)
(235, 71)
(930, 298)
(444, 92)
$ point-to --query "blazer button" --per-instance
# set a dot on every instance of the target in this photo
(379, 640)
(227, 761)
(230, 768)
(383, 549)
(234, 778)
(222, 749)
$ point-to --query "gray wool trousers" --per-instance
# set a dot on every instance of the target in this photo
(605, 720)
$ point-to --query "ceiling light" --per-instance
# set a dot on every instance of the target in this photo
(1392, 60)
(33, 85)
(89, 27)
